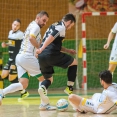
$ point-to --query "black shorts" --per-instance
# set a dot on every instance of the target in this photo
(48, 61)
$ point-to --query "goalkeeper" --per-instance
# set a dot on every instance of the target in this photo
(14, 41)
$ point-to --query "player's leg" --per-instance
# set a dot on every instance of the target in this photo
(81, 104)
(13, 78)
(71, 74)
(45, 84)
(113, 60)
(112, 67)
(5, 71)
(66, 61)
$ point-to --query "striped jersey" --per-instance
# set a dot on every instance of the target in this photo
(57, 30)
(33, 29)
(14, 41)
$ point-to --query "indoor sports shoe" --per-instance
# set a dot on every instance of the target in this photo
(44, 89)
(24, 95)
(68, 90)
(43, 94)
(46, 107)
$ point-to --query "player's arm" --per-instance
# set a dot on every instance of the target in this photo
(49, 40)
(3, 44)
(110, 37)
(33, 41)
(66, 50)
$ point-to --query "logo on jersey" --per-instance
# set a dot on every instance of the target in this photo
(11, 43)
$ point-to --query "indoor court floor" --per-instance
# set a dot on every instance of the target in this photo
(29, 107)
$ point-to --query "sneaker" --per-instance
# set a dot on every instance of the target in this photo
(68, 90)
(1, 96)
(43, 92)
(24, 95)
(47, 107)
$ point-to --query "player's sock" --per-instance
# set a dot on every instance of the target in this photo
(12, 88)
(40, 83)
(46, 83)
(72, 73)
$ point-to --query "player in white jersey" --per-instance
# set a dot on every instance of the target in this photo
(26, 61)
(14, 42)
(104, 102)
(113, 55)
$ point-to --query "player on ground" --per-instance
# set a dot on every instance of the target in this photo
(113, 55)
(52, 53)
(104, 102)
(14, 42)
(26, 61)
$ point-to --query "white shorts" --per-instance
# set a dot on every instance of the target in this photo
(113, 55)
(88, 105)
(95, 106)
(27, 63)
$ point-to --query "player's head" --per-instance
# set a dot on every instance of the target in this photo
(16, 25)
(42, 18)
(69, 20)
(105, 76)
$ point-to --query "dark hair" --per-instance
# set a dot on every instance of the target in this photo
(41, 13)
(106, 76)
(18, 20)
(68, 17)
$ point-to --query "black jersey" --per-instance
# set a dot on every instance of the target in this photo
(14, 40)
(57, 30)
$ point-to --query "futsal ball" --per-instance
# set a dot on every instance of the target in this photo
(62, 105)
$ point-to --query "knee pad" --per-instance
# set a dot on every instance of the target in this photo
(13, 74)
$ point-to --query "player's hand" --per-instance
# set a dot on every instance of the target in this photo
(106, 46)
(36, 55)
(3, 44)
(71, 51)
(38, 51)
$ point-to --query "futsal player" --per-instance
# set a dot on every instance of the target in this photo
(113, 55)
(104, 102)
(26, 61)
(14, 42)
(52, 53)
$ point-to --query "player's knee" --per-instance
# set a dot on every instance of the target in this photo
(71, 97)
(4, 74)
(24, 82)
(41, 78)
(13, 74)
(14, 80)
(75, 62)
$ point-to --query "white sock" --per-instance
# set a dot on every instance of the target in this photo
(40, 83)
(70, 83)
(12, 88)
(23, 91)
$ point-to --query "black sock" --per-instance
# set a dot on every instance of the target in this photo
(72, 73)
(46, 83)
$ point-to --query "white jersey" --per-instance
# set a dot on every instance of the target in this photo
(32, 30)
(15, 35)
(104, 102)
(114, 30)
(113, 56)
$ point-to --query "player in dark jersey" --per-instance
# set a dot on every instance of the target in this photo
(14, 42)
(52, 53)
